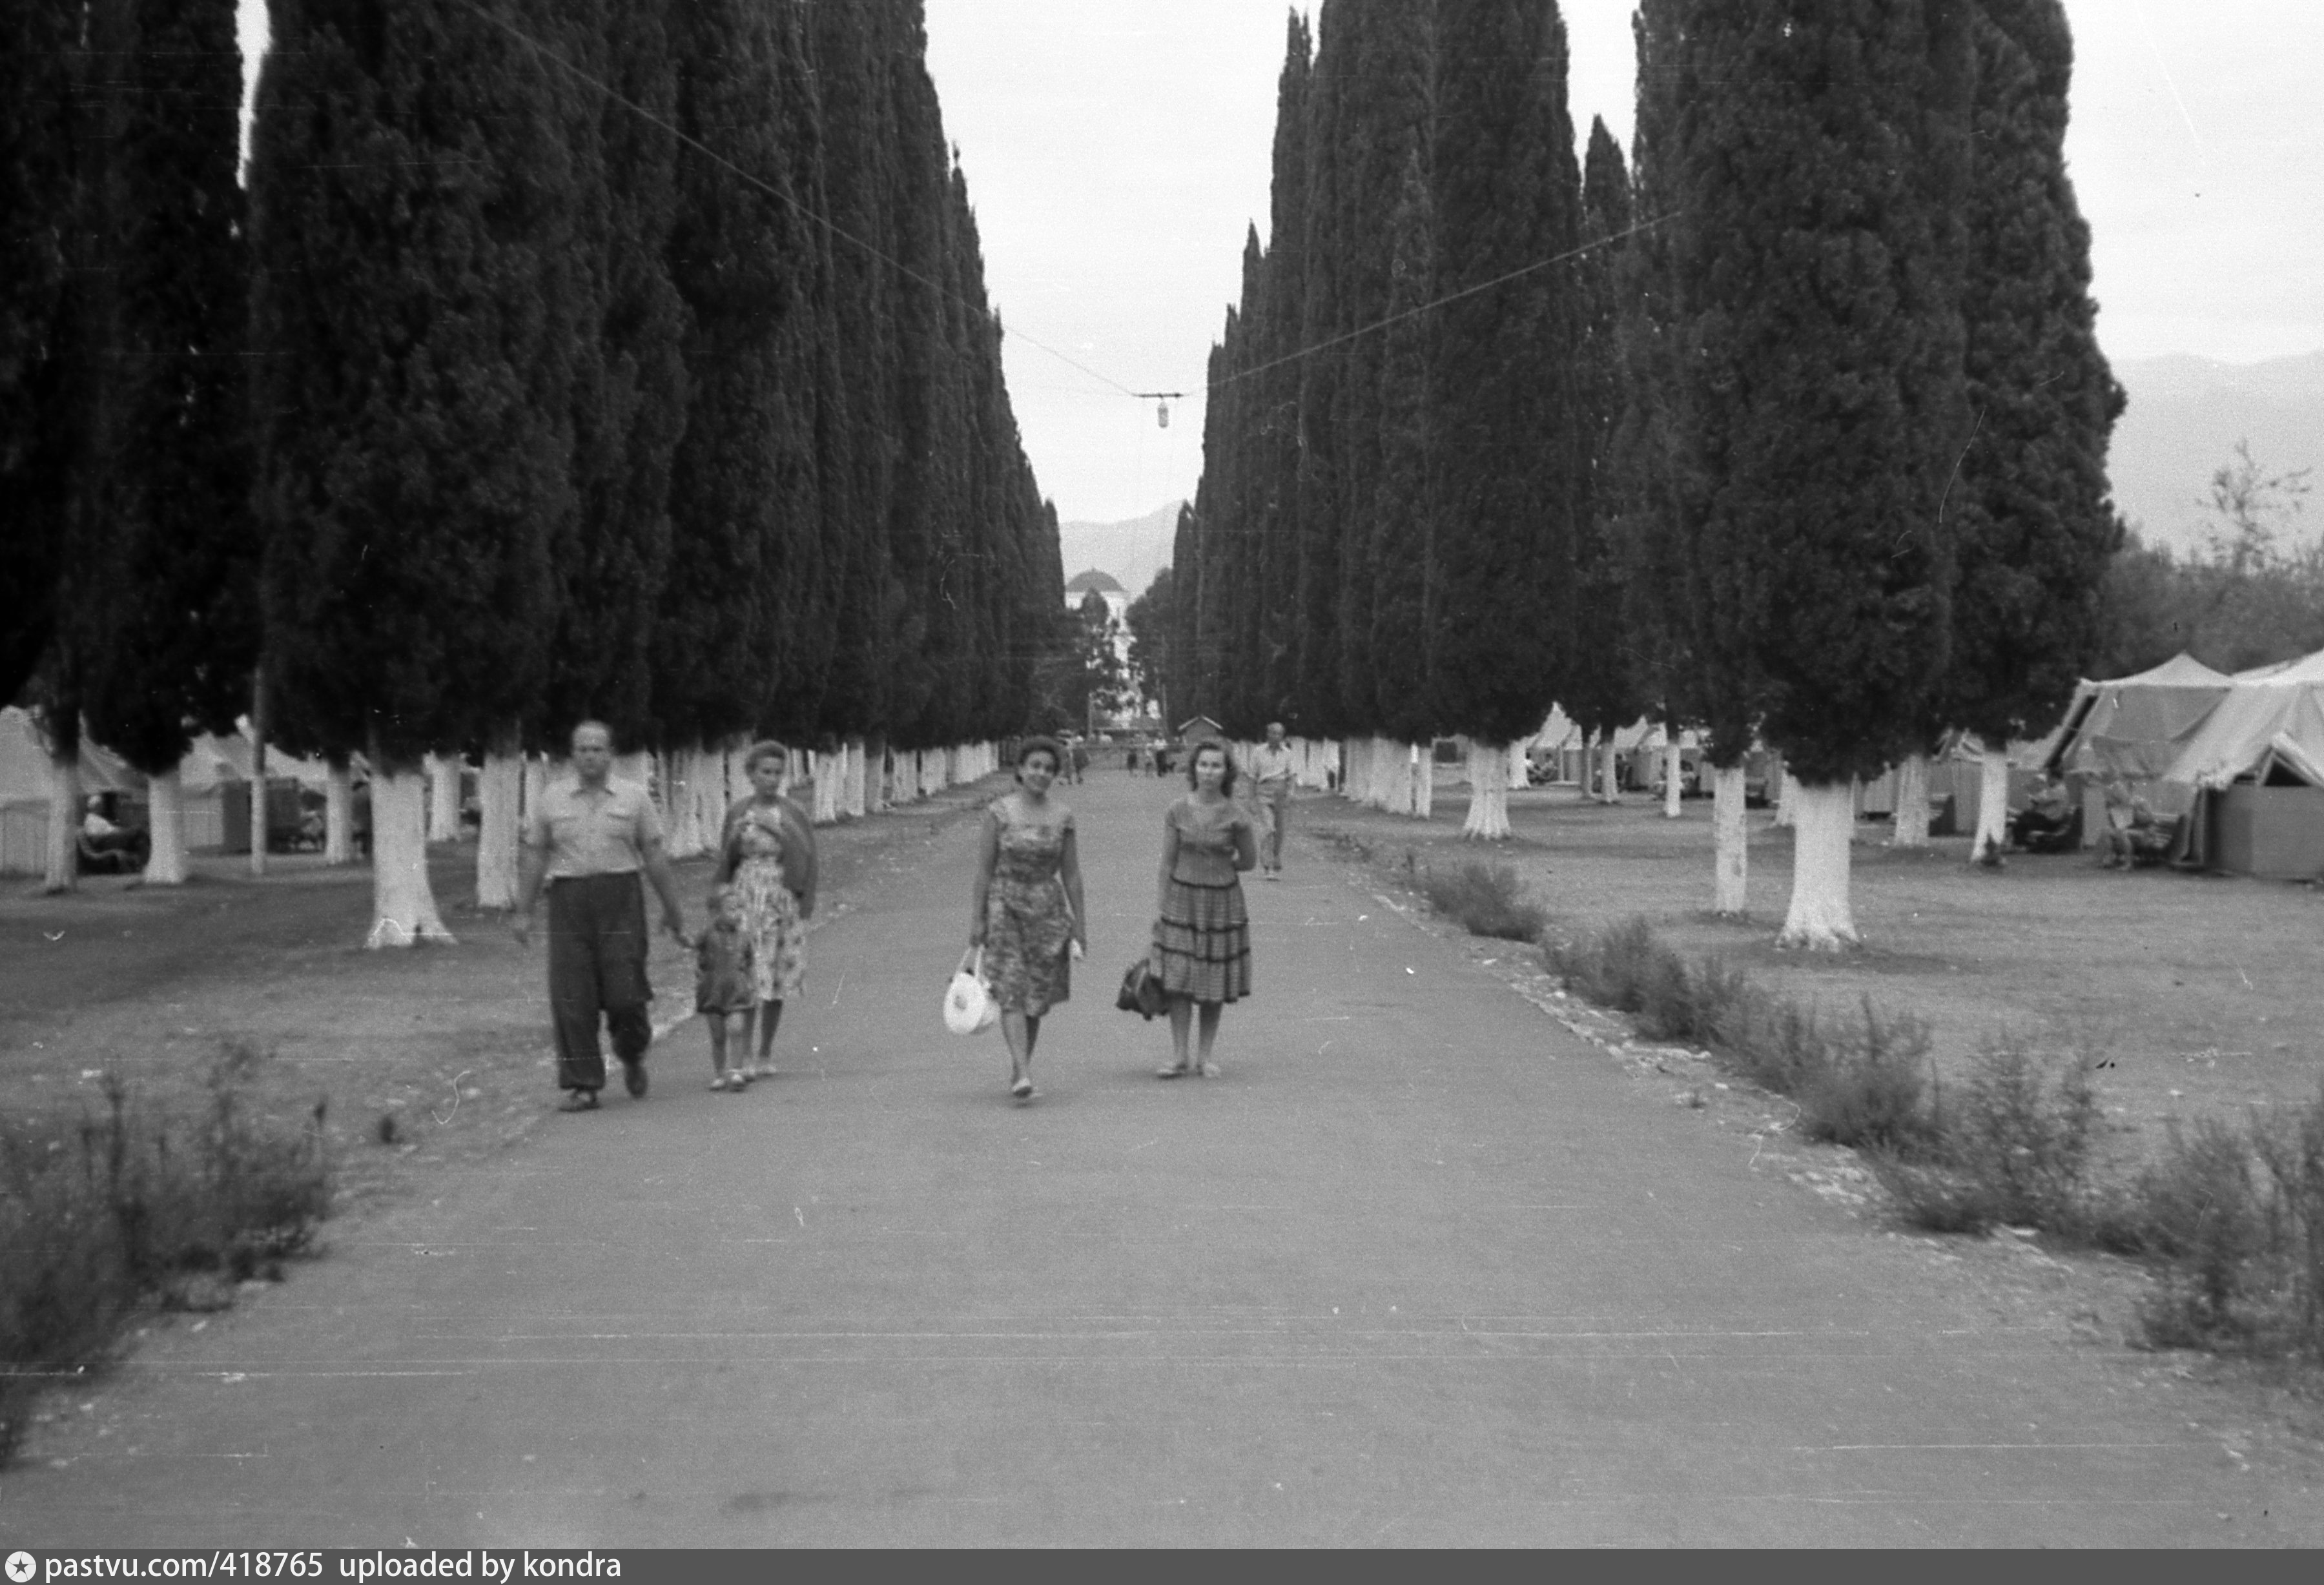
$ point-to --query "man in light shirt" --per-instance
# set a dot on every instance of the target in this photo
(590, 838)
(1272, 768)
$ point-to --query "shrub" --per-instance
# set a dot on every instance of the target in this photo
(2013, 1147)
(2294, 1153)
(1858, 1082)
(118, 1210)
(1487, 900)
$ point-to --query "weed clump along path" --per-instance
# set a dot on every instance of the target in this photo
(135, 1206)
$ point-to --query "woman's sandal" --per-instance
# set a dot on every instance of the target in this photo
(1022, 1088)
(1211, 1071)
(1172, 1071)
(578, 1100)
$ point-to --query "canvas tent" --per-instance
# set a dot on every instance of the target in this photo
(2128, 727)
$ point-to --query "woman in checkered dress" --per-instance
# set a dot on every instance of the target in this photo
(1202, 939)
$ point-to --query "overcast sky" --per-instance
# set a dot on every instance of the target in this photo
(1116, 149)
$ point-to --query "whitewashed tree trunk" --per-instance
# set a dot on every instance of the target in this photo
(443, 797)
(403, 906)
(63, 871)
(1351, 771)
(826, 788)
(1514, 776)
(1489, 793)
(537, 769)
(339, 814)
(1389, 775)
(1673, 778)
(1909, 824)
(1730, 844)
(500, 798)
(1992, 808)
(165, 813)
(1823, 821)
(851, 798)
(1424, 780)
(1787, 799)
(681, 820)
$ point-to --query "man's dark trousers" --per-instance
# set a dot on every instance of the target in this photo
(597, 963)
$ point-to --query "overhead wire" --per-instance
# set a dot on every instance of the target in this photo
(985, 311)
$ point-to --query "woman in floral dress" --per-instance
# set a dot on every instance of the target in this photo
(767, 856)
(1027, 911)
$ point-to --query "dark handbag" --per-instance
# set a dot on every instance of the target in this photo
(1141, 991)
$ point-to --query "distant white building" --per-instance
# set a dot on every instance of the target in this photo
(1116, 597)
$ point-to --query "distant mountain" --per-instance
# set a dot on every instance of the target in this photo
(1132, 551)
(2184, 418)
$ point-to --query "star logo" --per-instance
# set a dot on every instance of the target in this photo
(21, 1567)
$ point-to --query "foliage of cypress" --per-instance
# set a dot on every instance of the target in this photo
(1506, 192)
(2031, 518)
(1821, 158)
(611, 553)
(37, 193)
(409, 192)
(174, 622)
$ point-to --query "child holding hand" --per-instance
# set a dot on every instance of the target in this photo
(722, 983)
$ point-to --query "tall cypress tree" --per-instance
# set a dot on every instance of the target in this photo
(411, 202)
(1324, 672)
(1500, 379)
(1684, 619)
(2033, 529)
(1601, 692)
(174, 623)
(1821, 162)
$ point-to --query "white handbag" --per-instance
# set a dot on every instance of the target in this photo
(968, 1006)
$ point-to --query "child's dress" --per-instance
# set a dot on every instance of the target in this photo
(722, 970)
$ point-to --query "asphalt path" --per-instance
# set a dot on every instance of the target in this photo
(1421, 1268)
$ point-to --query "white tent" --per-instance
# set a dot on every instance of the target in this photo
(2268, 727)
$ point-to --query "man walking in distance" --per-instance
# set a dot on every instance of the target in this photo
(589, 839)
(1272, 769)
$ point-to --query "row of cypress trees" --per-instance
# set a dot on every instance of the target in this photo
(1800, 436)
(615, 358)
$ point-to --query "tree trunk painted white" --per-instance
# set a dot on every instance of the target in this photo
(443, 797)
(1730, 844)
(1787, 799)
(1909, 824)
(500, 797)
(339, 814)
(851, 800)
(1992, 808)
(681, 816)
(1673, 778)
(1351, 769)
(165, 814)
(537, 771)
(1823, 821)
(1514, 773)
(64, 870)
(1391, 776)
(825, 808)
(403, 906)
(1424, 780)
(1609, 772)
(1489, 793)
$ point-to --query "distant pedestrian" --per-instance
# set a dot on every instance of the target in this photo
(1026, 909)
(723, 987)
(589, 839)
(1273, 767)
(767, 855)
(1202, 938)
